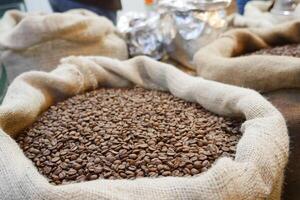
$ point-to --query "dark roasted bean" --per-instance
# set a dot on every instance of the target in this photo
(285, 50)
(127, 133)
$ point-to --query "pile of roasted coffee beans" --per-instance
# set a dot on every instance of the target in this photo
(125, 134)
(286, 50)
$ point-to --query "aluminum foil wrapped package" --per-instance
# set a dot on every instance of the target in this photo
(142, 34)
(188, 25)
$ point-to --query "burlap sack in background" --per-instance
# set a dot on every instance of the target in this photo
(257, 14)
(38, 41)
(221, 60)
(255, 173)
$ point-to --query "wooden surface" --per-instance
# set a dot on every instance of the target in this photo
(288, 102)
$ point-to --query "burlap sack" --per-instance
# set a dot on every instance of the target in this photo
(221, 60)
(255, 173)
(287, 102)
(38, 41)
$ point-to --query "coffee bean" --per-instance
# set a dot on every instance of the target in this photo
(96, 161)
(73, 157)
(80, 178)
(285, 50)
(166, 173)
(162, 157)
(197, 164)
(153, 174)
(143, 146)
(55, 159)
(47, 169)
(132, 156)
(194, 171)
(57, 171)
(72, 171)
(232, 148)
(140, 174)
(34, 150)
(46, 152)
(160, 167)
(132, 168)
(110, 158)
(62, 175)
(169, 153)
(98, 170)
(205, 163)
(55, 177)
(127, 133)
(202, 157)
(93, 177)
(76, 166)
(225, 148)
(121, 167)
(190, 166)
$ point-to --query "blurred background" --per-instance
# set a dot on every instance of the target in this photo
(167, 30)
(44, 5)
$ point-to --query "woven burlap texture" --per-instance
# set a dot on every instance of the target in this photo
(38, 41)
(221, 60)
(255, 173)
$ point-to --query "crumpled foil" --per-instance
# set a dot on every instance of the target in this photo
(188, 25)
(178, 27)
(142, 33)
(189, 5)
